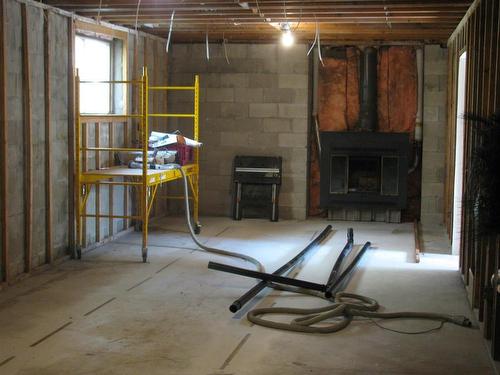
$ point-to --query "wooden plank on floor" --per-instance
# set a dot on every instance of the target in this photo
(3, 148)
(417, 241)
(48, 139)
(28, 157)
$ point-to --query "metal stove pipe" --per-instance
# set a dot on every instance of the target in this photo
(368, 110)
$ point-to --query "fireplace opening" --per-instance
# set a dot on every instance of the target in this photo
(364, 175)
(364, 170)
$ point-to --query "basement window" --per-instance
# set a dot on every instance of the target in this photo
(94, 63)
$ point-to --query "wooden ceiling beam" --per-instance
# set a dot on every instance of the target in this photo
(385, 19)
(261, 3)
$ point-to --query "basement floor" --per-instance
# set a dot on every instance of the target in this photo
(111, 314)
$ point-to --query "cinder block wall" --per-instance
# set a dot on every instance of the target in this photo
(255, 105)
(433, 158)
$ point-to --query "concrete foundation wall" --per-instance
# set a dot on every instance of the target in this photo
(59, 136)
(433, 158)
(255, 105)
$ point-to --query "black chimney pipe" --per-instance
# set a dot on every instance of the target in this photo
(368, 110)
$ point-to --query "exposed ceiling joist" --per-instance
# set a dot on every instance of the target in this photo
(256, 20)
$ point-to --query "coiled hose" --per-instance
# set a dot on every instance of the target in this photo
(344, 308)
(208, 249)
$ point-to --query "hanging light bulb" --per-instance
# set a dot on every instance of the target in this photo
(287, 38)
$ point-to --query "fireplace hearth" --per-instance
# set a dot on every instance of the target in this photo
(364, 170)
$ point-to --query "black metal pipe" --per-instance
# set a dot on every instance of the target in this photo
(338, 263)
(267, 276)
(368, 106)
(240, 302)
(333, 288)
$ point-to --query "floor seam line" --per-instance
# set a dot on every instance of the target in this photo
(139, 283)
(168, 265)
(98, 307)
(4, 362)
(235, 351)
(222, 231)
(50, 334)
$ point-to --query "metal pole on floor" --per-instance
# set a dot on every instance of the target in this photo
(240, 302)
(267, 276)
(342, 278)
(338, 263)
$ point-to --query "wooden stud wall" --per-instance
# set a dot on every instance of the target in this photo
(48, 138)
(28, 158)
(3, 148)
(13, 263)
(71, 137)
(478, 35)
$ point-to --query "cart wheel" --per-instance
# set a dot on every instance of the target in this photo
(197, 228)
(144, 255)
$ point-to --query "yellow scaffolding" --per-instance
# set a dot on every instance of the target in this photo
(145, 180)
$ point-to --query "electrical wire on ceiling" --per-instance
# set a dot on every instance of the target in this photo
(317, 41)
(314, 41)
(318, 32)
(206, 43)
(137, 17)
(300, 18)
(99, 12)
(224, 45)
(170, 30)
(387, 21)
(258, 9)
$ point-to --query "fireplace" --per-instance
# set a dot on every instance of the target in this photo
(364, 170)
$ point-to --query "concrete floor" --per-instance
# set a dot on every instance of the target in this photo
(111, 314)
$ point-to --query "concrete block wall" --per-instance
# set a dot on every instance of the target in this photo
(433, 157)
(255, 105)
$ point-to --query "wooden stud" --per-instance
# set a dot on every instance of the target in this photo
(48, 139)
(155, 106)
(3, 148)
(465, 218)
(84, 137)
(110, 187)
(480, 109)
(136, 130)
(165, 110)
(488, 261)
(449, 159)
(495, 342)
(97, 143)
(496, 98)
(474, 109)
(28, 158)
(71, 138)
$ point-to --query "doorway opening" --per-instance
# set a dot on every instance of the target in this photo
(459, 157)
